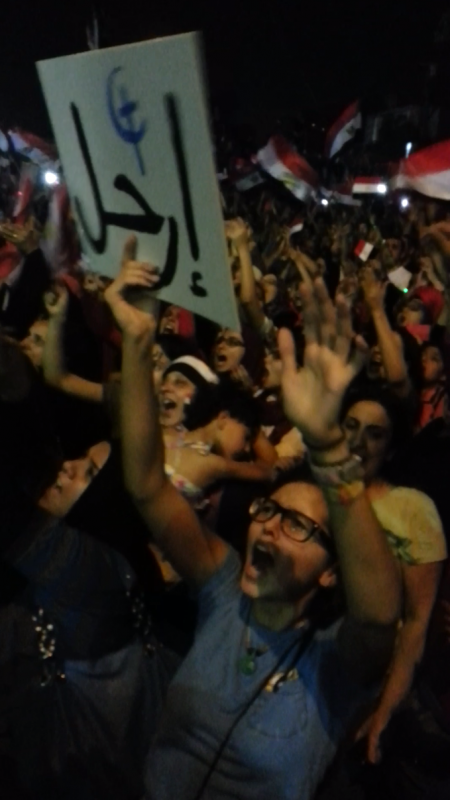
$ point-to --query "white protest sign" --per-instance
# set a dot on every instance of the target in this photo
(132, 131)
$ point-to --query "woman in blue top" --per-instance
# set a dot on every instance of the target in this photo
(264, 696)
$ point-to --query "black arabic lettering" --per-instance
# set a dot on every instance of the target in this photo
(180, 160)
(199, 291)
(147, 222)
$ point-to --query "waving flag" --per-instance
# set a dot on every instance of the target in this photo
(343, 130)
(427, 172)
(341, 194)
(369, 185)
(28, 145)
(280, 160)
(363, 250)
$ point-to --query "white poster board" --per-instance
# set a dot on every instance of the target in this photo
(132, 131)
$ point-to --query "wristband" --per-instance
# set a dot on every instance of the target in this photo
(337, 475)
(345, 494)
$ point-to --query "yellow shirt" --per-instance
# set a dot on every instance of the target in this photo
(412, 525)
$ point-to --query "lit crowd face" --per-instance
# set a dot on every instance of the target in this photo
(368, 430)
(229, 351)
(432, 366)
(175, 394)
(73, 479)
(169, 321)
(286, 558)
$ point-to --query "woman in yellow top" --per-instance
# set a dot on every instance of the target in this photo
(373, 424)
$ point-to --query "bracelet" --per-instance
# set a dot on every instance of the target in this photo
(341, 474)
(322, 448)
(345, 494)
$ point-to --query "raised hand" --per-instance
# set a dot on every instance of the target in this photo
(373, 288)
(312, 395)
(132, 273)
(24, 237)
(236, 231)
(57, 302)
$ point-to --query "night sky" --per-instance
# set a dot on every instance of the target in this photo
(264, 60)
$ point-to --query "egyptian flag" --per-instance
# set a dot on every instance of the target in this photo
(363, 250)
(32, 147)
(368, 185)
(296, 226)
(343, 130)
(427, 172)
(280, 160)
(341, 194)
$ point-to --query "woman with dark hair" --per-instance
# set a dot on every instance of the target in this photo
(239, 356)
(208, 429)
(82, 674)
(264, 696)
(375, 425)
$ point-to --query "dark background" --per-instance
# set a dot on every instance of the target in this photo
(264, 61)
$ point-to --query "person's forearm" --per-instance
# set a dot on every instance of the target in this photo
(53, 354)
(246, 471)
(390, 349)
(142, 442)
(264, 451)
(407, 656)
(369, 573)
(248, 290)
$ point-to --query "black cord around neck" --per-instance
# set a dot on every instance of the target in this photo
(302, 646)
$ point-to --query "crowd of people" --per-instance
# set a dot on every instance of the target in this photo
(223, 552)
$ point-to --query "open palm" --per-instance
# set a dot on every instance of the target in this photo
(312, 395)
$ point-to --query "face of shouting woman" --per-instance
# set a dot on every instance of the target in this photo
(229, 351)
(175, 394)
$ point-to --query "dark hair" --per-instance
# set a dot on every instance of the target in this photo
(211, 400)
(241, 406)
(202, 408)
(175, 346)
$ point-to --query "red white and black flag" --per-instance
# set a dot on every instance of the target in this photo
(427, 172)
(343, 130)
(282, 161)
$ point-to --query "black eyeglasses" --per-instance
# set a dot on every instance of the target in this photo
(294, 525)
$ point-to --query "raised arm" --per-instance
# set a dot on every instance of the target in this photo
(312, 399)
(237, 233)
(389, 342)
(53, 365)
(193, 552)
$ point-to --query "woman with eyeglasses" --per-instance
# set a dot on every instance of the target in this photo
(265, 695)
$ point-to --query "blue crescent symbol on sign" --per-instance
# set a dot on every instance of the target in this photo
(122, 116)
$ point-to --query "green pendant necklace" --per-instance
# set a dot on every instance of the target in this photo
(247, 663)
